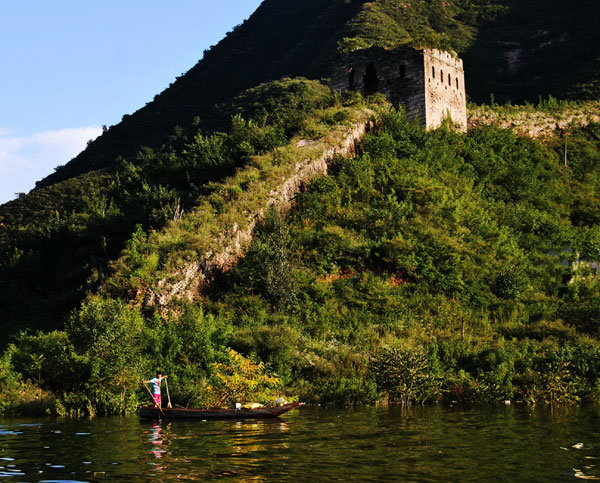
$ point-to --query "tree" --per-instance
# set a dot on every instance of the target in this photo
(242, 380)
(272, 255)
(404, 374)
(105, 337)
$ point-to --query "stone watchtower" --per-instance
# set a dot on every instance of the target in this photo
(429, 83)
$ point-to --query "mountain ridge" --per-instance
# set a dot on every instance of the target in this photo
(284, 38)
(428, 265)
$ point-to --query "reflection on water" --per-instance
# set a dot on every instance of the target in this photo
(158, 445)
(376, 444)
(156, 440)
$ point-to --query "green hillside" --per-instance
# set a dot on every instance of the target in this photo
(557, 52)
(438, 251)
(57, 243)
(433, 265)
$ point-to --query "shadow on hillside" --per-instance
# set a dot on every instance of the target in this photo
(282, 38)
(539, 48)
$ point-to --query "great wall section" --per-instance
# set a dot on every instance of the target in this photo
(526, 121)
(428, 84)
(191, 278)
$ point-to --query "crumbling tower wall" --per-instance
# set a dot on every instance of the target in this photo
(428, 83)
(445, 95)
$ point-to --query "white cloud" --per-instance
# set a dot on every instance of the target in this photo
(27, 159)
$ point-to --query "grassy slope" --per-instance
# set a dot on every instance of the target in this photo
(229, 206)
(398, 248)
(58, 242)
(424, 233)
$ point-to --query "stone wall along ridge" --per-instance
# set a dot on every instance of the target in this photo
(191, 278)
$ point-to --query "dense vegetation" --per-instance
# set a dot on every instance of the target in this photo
(281, 38)
(434, 265)
(82, 216)
(57, 243)
(431, 266)
(464, 256)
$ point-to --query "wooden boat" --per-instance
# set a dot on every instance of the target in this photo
(151, 412)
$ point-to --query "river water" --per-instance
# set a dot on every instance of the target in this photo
(508, 443)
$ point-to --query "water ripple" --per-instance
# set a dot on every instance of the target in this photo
(423, 444)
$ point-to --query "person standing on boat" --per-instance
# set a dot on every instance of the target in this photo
(156, 382)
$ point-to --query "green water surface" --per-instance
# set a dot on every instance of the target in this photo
(512, 443)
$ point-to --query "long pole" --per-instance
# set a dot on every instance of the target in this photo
(168, 396)
(150, 392)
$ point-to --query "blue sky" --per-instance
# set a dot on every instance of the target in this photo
(69, 66)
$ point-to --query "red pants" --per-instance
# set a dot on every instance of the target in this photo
(157, 400)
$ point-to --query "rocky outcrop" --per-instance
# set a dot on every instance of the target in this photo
(191, 278)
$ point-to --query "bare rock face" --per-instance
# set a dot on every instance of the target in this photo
(191, 278)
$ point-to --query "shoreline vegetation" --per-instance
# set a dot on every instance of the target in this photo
(432, 266)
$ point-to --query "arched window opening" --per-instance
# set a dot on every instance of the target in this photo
(402, 70)
(449, 80)
(457, 82)
(351, 73)
(433, 71)
(442, 76)
(370, 79)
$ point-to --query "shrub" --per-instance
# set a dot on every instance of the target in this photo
(105, 337)
(241, 380)
(405, 375)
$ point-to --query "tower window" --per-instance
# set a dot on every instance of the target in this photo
(449, 80)
(370, 79)
(457, 82)
(433, 71)
(442, 76)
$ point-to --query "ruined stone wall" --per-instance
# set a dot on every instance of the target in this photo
(398, 74)
(527, 121)
(193, 277)
(408, 77)
(444, 89)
